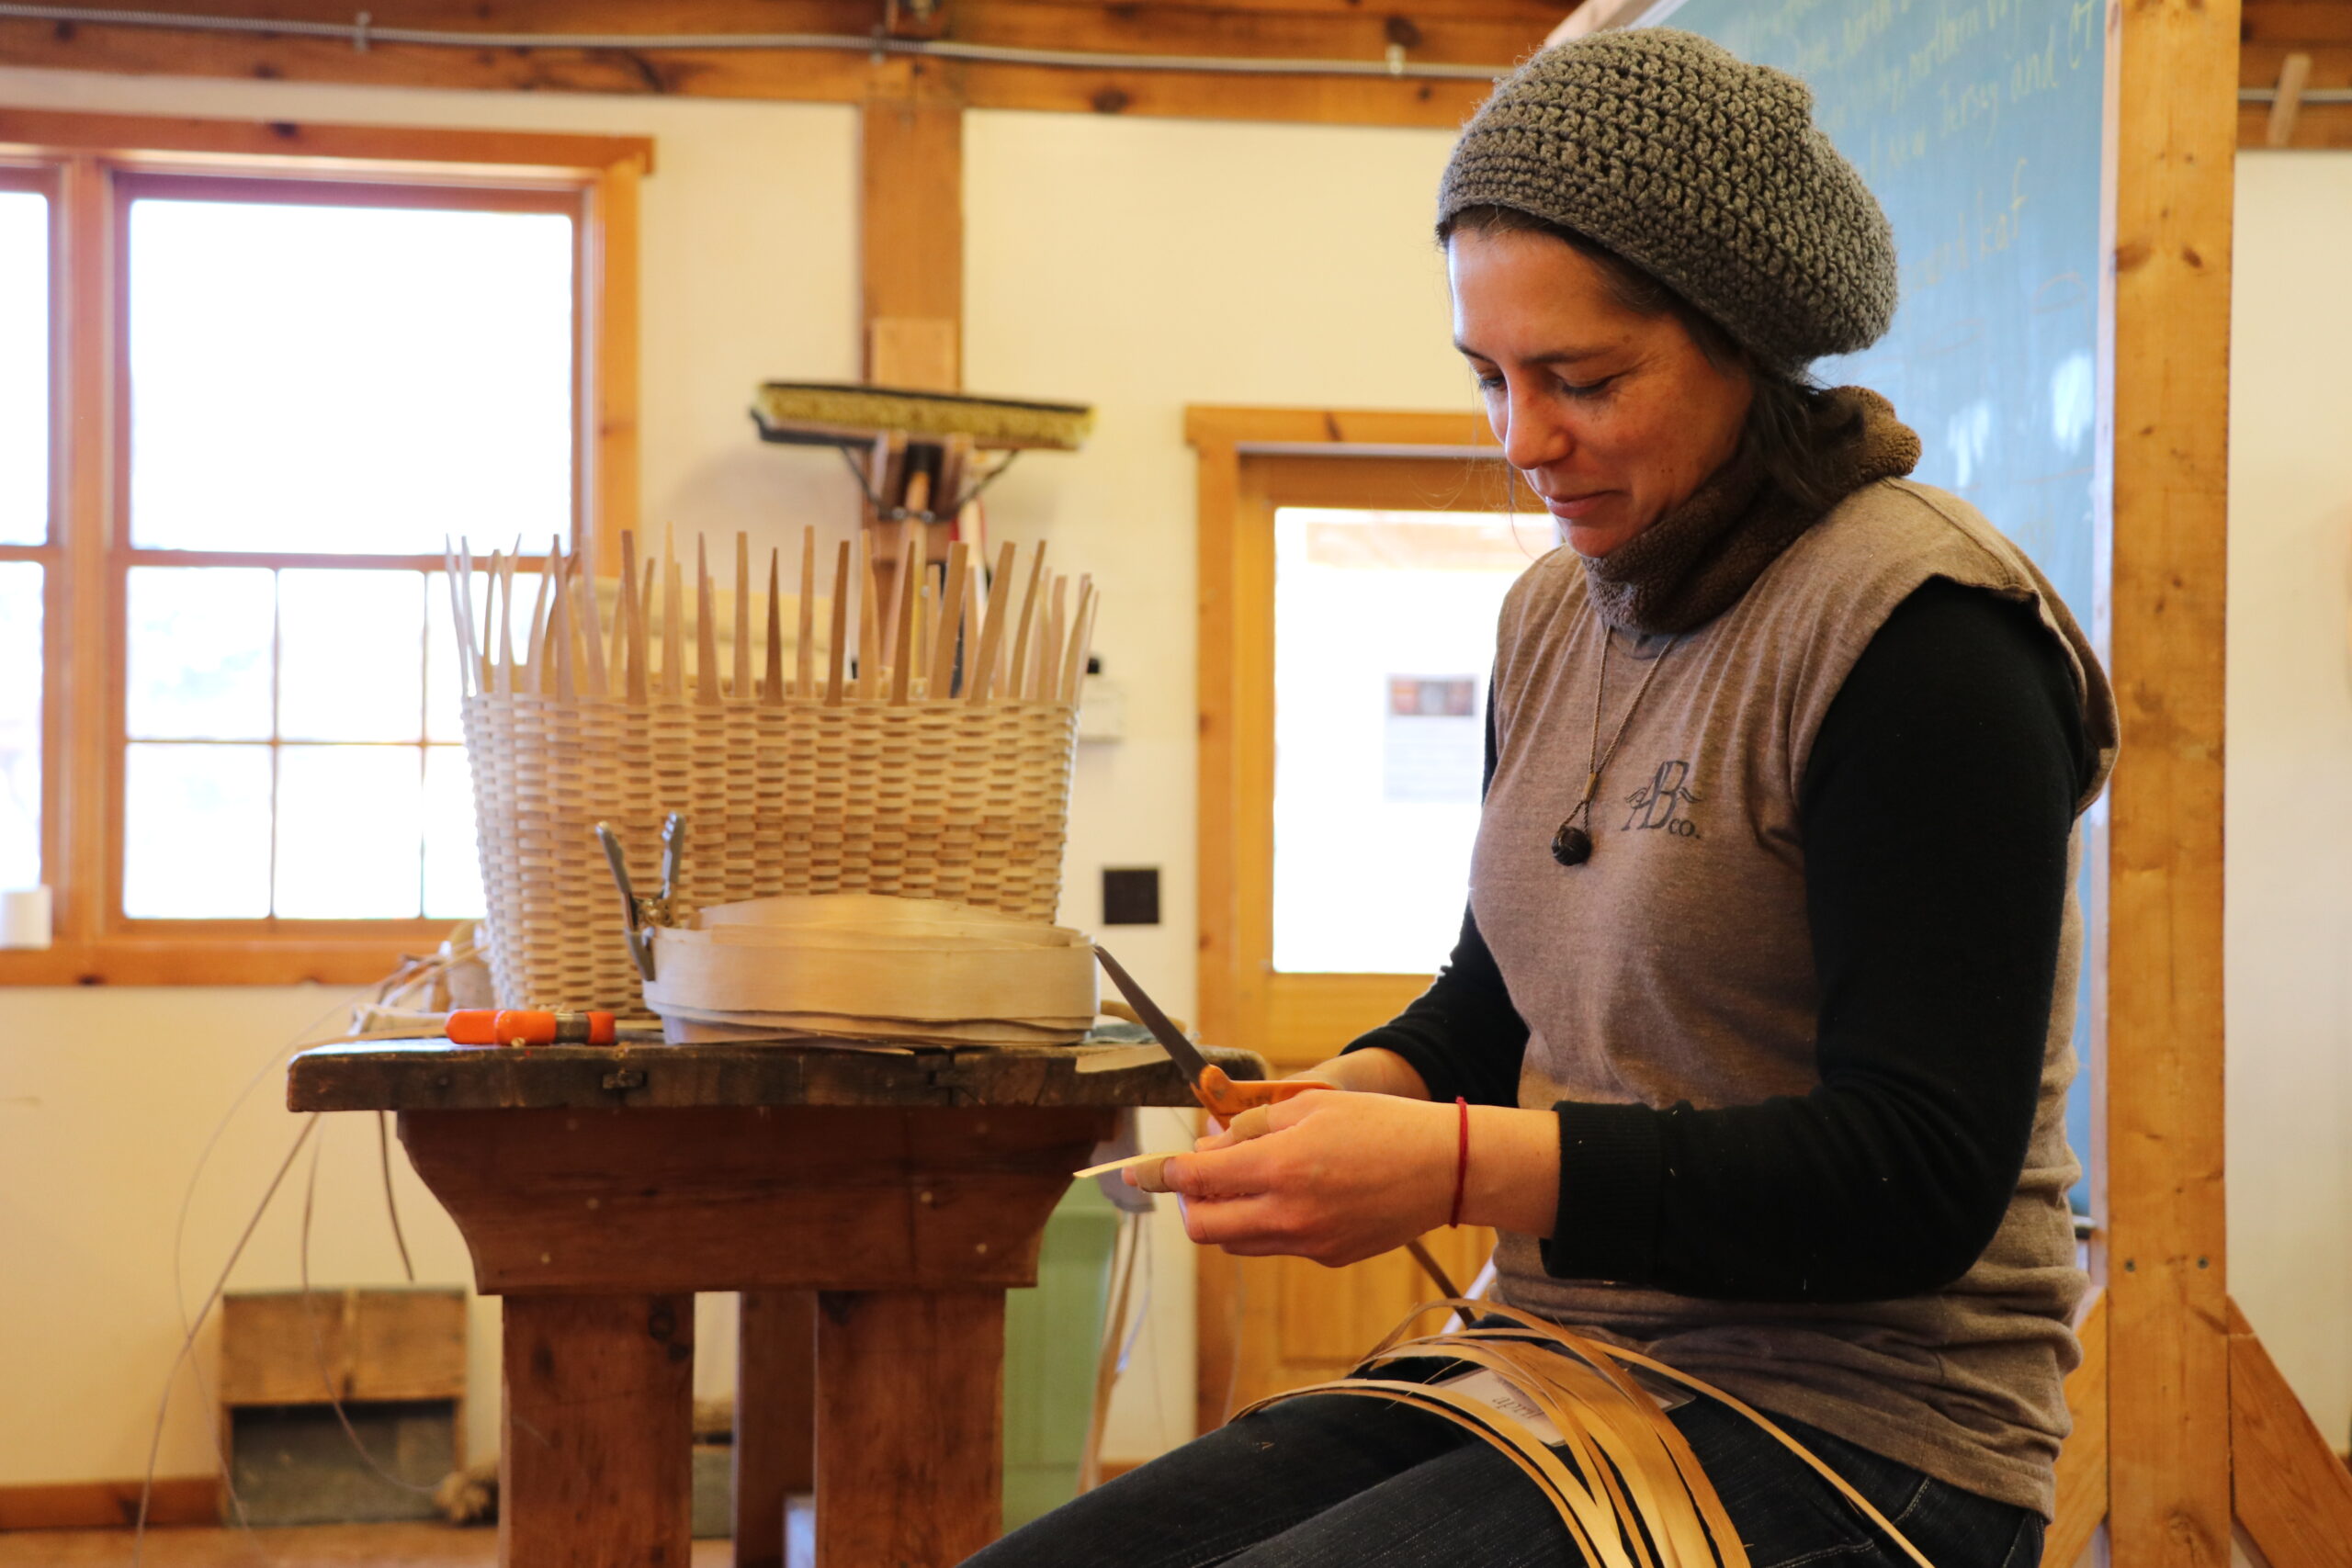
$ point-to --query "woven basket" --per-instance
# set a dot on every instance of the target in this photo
(955, 800)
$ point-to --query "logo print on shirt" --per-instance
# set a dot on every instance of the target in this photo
(1659, 805)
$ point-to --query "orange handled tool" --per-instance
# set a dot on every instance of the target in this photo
(481, 1026)
(1222, 1095)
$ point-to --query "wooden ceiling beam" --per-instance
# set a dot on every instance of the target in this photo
(1430, 34)
(2295, 24)
(1460, 32)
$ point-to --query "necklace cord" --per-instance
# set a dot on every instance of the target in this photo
(1596, 759)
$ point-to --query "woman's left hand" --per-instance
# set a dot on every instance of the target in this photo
(1339, 1176)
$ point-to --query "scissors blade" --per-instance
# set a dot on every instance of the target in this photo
(1163, 1029)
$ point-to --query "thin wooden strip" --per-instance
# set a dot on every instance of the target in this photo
(1081, 632)
(902, 652)
(1641, 1474)
(772, 686)
(950, 621)
(926, 613)
(563, 630)
(742, 690)
(460, 583)
(647, 599)
(534, 650)
(869, 619)
(1013, 690)
(706, 680)
(1042, 683)
(622, 615)
(630, 632)
(553, 650)
(1622, 1505)
(805, 654)
(586, 618)
(673, 607)
(1596, 1357)
(474, 616)
(977, 684)
(1563, 1490)
(1635, 1357)
(839, 651)
(502, 616)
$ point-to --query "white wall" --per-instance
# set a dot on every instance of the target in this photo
(2289, 812)
(1137, 264)
(1145, 264)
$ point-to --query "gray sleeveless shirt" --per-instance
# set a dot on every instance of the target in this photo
(1676, 964)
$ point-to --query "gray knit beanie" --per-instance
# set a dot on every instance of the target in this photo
(1698, 167)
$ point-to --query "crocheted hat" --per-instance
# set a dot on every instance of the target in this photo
(1698, 167)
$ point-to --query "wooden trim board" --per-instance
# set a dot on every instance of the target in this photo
(2290, 1489)
(1494, 36)
(110, 1504)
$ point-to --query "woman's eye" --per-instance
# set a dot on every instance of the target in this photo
(1586, 388)
(1490, 381)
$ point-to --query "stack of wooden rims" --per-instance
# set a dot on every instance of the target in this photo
(857, 966)
(920, 749)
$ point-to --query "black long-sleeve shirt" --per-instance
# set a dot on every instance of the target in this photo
(1936, 807)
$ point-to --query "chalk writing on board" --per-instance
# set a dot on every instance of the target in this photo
(1977, 124)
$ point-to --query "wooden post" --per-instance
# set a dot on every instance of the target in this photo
(595, 1468)
(894, 1362)
(912, 252)
(2168, 1378)
(775, 1419)
(911, 227)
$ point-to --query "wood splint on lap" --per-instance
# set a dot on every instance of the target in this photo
(1584, 1422)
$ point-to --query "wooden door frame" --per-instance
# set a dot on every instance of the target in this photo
(1239, 997)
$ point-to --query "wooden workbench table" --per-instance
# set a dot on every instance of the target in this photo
(597, 1189)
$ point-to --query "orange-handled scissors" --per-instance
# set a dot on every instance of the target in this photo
(1224, 1098)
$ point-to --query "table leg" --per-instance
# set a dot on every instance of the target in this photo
(596, 1470)
(910, 1426)
(775, 1417)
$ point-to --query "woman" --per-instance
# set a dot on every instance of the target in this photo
(1758, 1022)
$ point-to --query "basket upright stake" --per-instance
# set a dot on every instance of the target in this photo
(771, 688)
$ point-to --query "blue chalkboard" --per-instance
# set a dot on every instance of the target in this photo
(1977, 124)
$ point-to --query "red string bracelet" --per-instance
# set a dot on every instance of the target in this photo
(1461, 1161)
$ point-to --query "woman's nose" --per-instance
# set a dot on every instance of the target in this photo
(1531, 431)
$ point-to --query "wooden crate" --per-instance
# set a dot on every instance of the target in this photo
(284, 1347)
(394, 1357)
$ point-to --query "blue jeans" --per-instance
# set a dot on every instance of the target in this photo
(1337, 1480)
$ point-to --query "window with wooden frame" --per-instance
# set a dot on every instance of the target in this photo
(1351, 567)
(252, 377)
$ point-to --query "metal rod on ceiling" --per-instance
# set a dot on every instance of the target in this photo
(364, 32)
(2309, 95)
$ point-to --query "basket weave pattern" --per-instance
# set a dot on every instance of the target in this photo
(954, 800)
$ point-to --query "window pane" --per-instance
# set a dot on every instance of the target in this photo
(21, 689)
(452, 868)
(1384, 635)
(348, 832)
(24, 367)
(362, 379)
(196, 832)
(351, 655)
(199, 653)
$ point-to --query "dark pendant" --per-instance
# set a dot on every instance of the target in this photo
(1571, 845)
